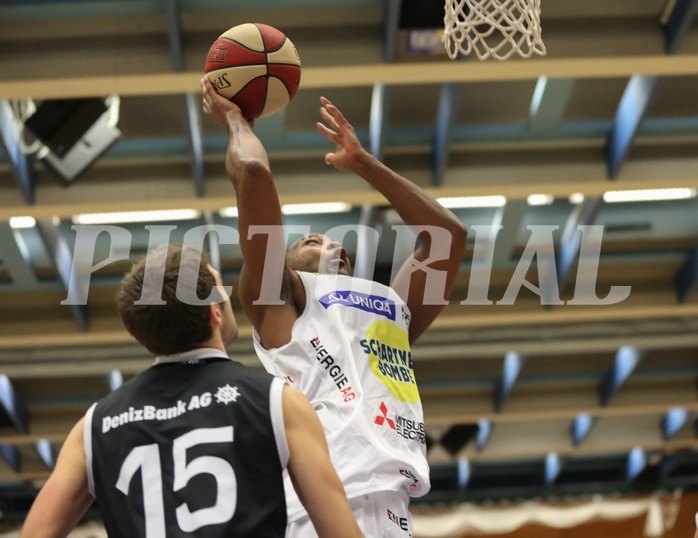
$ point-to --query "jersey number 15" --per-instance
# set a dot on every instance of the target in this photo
(147, 459)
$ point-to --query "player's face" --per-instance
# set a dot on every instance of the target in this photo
(229, 326)
(317, 253)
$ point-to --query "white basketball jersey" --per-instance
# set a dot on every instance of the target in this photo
(350, 355)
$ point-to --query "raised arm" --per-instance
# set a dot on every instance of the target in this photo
(247, 166)
(416, 208)
(312, 473)
(65, 498)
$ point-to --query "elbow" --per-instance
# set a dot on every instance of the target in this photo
(254, 167)
(459, 234)
(250, 171)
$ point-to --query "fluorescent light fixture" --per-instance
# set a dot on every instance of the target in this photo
(22, 222)
(136, 216)
(307, 209)
(576, 198)
(540, 199)
(231, 212)
(472, 201)
(537, 98)
(648, 195)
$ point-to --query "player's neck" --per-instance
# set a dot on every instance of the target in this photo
(215, 342)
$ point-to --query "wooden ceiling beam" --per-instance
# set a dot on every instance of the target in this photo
(352, 76)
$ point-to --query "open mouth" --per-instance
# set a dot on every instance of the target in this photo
(339, 259)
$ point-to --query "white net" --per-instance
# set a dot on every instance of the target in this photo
(493, 28)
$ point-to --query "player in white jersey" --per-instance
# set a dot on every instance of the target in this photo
(344, 342)
(196, 444)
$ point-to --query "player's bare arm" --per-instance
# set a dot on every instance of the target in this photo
(247, 166)
(65, 497)
(415, 207)
(311, 470)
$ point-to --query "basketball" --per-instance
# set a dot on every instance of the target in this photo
(256, 66)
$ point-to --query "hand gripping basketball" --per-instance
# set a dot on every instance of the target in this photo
(256, 66)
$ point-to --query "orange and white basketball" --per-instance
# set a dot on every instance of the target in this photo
(256, 66)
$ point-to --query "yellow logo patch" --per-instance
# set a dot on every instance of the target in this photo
(388, 351)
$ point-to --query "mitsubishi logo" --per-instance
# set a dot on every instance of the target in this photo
(380, 420)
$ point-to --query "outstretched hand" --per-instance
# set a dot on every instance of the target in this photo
(341, 132)
(218, 106)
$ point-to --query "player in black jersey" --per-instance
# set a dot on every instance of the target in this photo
(196, 444)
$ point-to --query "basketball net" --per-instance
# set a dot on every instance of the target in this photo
(493, 28)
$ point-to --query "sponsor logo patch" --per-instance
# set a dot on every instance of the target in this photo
(383, 417)
(411, 476)
(387, 348)
(412, 430)
(374, 304)
(402, 522)
(334, 370)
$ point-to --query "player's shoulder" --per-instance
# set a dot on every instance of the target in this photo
(122, 391)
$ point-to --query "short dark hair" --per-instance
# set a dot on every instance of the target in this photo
(173, 327)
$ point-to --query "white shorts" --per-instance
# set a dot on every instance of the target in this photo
(383, 514)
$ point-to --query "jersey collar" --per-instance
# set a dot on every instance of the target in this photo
(192, 355)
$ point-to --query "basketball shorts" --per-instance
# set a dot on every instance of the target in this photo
(382, 514)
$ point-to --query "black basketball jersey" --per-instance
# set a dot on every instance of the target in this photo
(193, 448)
